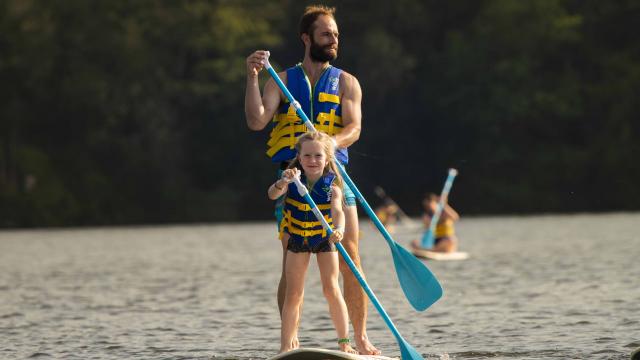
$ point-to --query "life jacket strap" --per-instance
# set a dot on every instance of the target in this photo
(305, 207)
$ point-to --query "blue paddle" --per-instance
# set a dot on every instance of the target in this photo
(418, 283)
(406, 350)
(427, 238)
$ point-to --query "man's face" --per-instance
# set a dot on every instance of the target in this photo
(324, 40)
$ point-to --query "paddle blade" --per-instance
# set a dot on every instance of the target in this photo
(407, 352)
(427, 239)
(420, 286)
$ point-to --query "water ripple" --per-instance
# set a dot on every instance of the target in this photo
(532, 290)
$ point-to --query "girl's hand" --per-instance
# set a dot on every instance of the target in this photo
(289, 174)
(336, 236)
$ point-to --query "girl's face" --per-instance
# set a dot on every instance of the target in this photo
(312, 158)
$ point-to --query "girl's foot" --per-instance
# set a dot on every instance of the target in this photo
(346, 347)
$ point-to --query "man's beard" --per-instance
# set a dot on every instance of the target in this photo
(321, 53)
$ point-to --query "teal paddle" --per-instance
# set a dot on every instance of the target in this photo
(407, 351)
(418, 283)
(428, 237)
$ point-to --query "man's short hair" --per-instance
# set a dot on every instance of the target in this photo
(311, 14)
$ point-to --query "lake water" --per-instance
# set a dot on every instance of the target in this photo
(542, 287)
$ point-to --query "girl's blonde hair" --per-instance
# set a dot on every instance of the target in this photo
(327, 146)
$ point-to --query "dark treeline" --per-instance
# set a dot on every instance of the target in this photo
(123, 112)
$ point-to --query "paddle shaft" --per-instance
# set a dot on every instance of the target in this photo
(305, 193)
(427, 242)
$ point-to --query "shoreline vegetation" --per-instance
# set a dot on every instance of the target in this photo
(119, 113)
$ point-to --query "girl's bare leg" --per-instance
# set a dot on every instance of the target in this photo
(282, 287)
(329, 272)
(295, 272)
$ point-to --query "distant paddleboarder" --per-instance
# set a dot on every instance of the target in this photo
(304, 234)
(387, 213)
(445, 235)
(331, 98)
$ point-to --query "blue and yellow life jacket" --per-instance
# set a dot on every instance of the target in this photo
(298, 220)
(324, 111)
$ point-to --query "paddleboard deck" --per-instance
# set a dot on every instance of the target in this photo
(324, 354)
(435, 255)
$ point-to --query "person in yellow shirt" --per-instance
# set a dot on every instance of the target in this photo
(445, 235)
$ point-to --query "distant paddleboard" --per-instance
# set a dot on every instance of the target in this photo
(324, 354)
(436, 255)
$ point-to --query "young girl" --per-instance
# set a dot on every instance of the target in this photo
(305, 235)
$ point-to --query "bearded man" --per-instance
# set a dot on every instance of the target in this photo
(331, 98)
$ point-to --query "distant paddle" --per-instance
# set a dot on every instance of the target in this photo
(406, 350)
(405, 218)
(427, 239)
(420, 286)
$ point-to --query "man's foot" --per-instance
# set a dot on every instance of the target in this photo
(292, 346)
(365, 347)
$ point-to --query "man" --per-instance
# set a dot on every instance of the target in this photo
(331, 98)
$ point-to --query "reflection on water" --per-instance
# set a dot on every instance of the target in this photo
(535, 288)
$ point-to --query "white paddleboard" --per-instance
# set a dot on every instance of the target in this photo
(436, 255)
(324, 354)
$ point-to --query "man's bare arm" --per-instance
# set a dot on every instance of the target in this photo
(259, 110)
(351, 103)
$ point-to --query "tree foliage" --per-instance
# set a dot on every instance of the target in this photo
(116, 112)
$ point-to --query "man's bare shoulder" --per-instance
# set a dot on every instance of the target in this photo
(349, 86)
(348, 82)
(346, 77)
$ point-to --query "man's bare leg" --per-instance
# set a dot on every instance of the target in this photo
(282, 287)
(354, 296)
